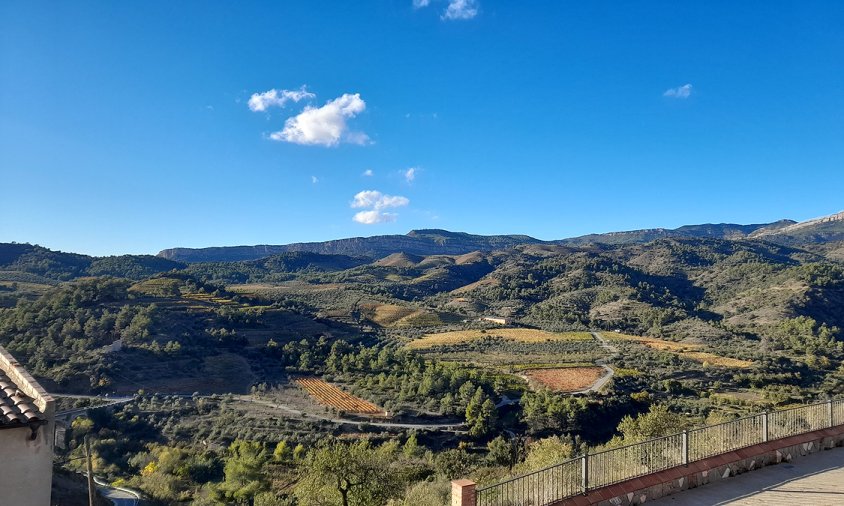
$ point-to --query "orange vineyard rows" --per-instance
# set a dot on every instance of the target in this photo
(329, 395)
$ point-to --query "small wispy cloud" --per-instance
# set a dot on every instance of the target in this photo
(377, 201)
(326, 125)
(461, 9)
(410, 174)
(456, 9)
(373, 217)
(368, 173)
(260, 102)
(679, 92)
(314, 179)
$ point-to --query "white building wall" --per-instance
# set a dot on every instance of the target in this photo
(26, 467)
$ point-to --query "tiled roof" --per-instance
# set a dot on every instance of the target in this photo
(16, 408)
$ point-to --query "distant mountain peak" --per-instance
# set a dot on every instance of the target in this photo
(794, 226)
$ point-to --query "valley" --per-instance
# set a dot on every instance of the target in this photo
(434, 358)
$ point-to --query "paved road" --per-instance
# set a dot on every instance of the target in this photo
(454, 427)
(613, 351)
(100, 397)
(816, 480)
(72, 413)
(118, 496)
(506, 401)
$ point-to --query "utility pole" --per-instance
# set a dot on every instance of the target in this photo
(91, 489)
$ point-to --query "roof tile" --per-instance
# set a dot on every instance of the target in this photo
(15, 406)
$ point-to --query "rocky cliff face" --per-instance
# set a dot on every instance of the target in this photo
(730, 231)
(814, 231)
(417, 242)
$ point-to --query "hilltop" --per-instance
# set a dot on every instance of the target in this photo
(416, 242)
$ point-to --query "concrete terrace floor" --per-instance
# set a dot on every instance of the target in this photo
(816, 480)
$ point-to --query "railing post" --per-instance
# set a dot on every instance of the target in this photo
(463, 493)
(685, 447)
(584, 472)
(830, 413)
(765, 427)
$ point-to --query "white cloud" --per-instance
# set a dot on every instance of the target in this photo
(679, 92)
(418, 4)
(377, 200)
(326, 125)
(259, 102)
(373, 217)
(461, 9)
(368, 173)
(410, 174)
(314, 179)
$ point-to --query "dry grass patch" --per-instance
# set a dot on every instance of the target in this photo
(329, 395)
(565, 379)
(392, 316)
(520, 335)
(686, 350)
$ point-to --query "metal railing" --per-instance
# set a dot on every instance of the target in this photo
(579, 475)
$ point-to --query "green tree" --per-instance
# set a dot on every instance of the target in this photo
(452, 464)
(281, 452)
(355, 473)
(244, 476)
(547, 451)
(504, 452)
(483, 423)
(411, 446)
(657, 422)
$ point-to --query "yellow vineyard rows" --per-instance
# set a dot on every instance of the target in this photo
(520, 335)
(685, 350)
(329, 395)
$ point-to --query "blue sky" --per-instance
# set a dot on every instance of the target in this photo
(128, 127)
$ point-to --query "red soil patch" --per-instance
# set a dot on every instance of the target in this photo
(565, 379)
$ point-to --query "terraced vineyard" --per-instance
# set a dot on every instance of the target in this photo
(329, 395)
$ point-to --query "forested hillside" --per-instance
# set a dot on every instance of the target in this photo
(250, 378)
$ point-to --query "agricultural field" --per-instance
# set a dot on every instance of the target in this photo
(513, 350)
(564, 379)
(332, 396)
(395, 316)
(690, 351)
(528, 336)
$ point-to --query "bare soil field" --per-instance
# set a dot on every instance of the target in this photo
(565, 379)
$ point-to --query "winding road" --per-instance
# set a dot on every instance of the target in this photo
(73, 413)
(613, 351)
(119, 496)
(453, 427)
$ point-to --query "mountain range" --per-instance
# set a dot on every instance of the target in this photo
(811, 233)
